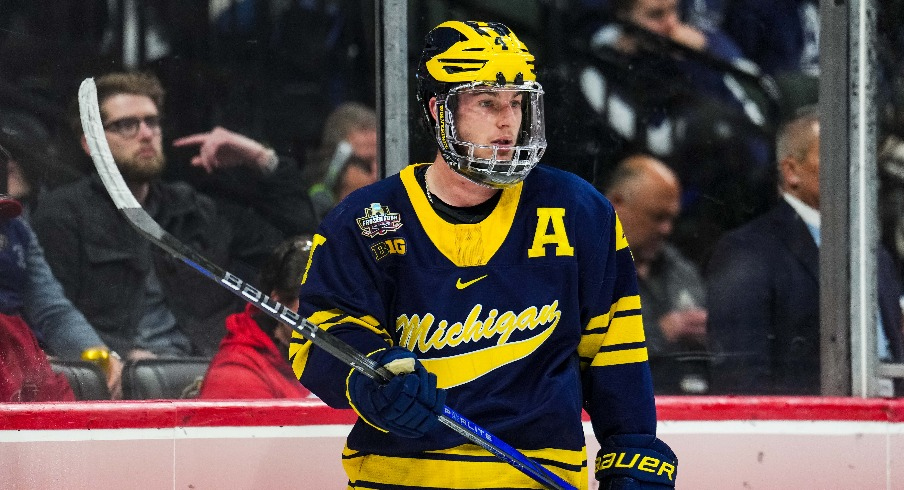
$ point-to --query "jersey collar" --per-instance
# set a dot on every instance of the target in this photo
(465, 245)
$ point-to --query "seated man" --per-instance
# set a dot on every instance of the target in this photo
(646, 195)
(253, 360)
(143, 303)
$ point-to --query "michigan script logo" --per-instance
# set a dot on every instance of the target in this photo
(425, 334)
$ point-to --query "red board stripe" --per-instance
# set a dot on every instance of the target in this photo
(234, 413)
(164, 413)
(780, 408)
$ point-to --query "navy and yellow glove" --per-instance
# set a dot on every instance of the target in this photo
(635, 462)
(407, 405)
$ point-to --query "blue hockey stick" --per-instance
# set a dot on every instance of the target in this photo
(150, 229)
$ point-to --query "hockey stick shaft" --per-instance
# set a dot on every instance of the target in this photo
(136, 215)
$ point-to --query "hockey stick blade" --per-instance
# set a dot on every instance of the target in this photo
(122, 197)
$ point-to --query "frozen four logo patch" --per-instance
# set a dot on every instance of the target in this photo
(377, 220)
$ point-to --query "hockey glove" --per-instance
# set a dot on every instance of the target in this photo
(635, 462)
(407, 405)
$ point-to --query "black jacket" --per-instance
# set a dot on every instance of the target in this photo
(103, 263)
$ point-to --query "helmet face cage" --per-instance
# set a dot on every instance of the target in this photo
(485, 164)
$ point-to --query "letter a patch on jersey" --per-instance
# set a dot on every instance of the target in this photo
(558, 237)
(377, 220)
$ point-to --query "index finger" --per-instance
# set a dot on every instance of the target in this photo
(192, 139)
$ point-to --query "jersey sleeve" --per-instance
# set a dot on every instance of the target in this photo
(618, 389)
(341, 292)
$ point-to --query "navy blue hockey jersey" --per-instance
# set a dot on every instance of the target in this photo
(526, 318)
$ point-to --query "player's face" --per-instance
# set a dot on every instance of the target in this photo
(138, 152)
(490, 117)
(659, 16)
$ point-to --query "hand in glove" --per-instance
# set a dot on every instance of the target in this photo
(635, 462)
(407, 405)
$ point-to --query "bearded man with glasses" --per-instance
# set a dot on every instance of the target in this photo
(142, 303)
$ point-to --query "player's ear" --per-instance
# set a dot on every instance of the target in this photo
(432, 105)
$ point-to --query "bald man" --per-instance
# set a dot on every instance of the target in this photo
(646, 195)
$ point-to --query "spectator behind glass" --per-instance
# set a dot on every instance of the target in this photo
(763, 285)
(37, 165)
(254, 176)
(59, 327)
(25, 373)
(350, 131)
(782, 37)
(253, 360)
(356, 173)
(646, 195)
(778, 35)
(350, 135)
(648, 91)
(141, 301)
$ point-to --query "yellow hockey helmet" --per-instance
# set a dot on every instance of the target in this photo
(460, 56)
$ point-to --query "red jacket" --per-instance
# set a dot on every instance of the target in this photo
(25, 374)
(248, 365)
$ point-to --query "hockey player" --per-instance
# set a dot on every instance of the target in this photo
(511, 284)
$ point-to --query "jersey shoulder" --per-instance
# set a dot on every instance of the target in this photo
(565, 189)
(385, 198)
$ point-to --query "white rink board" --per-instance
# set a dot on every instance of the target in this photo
(770, 454)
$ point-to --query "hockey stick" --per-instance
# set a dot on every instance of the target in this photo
(145, 225)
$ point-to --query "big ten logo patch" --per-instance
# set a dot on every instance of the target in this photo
(384, 249)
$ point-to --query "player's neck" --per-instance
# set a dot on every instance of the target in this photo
(454, 189)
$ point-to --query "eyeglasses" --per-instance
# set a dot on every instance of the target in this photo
(127, 127)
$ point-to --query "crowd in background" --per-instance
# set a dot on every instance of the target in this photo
(694, 117)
